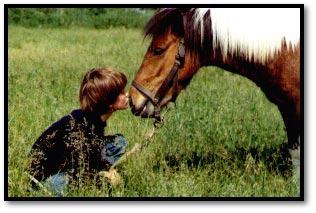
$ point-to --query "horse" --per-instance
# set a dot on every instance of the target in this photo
(261, 44)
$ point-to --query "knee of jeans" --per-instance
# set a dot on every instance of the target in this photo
(120, 140)
(113, 150)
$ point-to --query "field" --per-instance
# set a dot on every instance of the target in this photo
(223, 139)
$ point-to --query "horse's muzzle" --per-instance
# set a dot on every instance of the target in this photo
(145, 109)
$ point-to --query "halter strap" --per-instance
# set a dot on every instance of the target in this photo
(145, 92)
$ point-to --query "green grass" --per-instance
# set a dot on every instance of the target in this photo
(224, 139)
(99, 18)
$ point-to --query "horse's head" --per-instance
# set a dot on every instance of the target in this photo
(167, 66)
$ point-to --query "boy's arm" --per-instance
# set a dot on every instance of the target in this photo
(48, 152)
(47, 156)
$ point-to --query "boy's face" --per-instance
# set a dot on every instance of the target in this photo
(122, 100)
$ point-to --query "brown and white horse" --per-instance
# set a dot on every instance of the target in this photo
(262, 44)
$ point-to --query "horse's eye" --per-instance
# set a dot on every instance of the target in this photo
(158, 51)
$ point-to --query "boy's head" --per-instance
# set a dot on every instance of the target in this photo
(100, 88)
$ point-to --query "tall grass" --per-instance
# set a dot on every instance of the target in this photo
(224, 139)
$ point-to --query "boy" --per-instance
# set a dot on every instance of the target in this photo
(74, 148)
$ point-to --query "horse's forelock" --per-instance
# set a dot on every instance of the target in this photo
(163, 19)
(194, 24)
(196, 29)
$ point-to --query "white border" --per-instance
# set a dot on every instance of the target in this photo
(308, 206)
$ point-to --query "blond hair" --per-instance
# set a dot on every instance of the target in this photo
(100, 88)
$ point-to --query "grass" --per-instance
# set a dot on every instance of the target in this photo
(223, 139)
(99, 18)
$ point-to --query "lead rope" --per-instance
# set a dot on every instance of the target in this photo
(112, 175)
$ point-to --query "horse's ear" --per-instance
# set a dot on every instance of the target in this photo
(177, 24)
(179, 28)
(183, 10)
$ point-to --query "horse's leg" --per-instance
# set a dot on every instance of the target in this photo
(292, 125)
(295, 154)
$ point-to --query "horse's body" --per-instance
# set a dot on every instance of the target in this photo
(260, 44)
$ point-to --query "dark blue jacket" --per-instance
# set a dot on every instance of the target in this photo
(73, 144)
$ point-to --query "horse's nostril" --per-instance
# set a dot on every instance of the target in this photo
(131, 102)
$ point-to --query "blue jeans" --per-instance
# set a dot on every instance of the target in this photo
(111, 153)
(57, 183)
(115, 149)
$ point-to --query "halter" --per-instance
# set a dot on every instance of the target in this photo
(171, 77)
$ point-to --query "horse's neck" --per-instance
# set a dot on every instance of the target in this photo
(275, 76)
(239, 65)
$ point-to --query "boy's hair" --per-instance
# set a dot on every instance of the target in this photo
(100, 88)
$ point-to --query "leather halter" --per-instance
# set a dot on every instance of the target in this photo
(171, 77)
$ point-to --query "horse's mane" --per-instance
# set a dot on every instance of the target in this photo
(253, 32)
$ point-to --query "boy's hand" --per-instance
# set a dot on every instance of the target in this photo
(112, 176)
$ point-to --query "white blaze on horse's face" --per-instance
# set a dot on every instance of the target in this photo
(158, 61)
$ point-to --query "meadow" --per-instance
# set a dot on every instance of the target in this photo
(223, 139)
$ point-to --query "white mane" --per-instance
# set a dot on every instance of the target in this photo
(257, 31)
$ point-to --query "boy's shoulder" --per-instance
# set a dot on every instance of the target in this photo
(65, 120)
(63, 123)
(77, 114)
